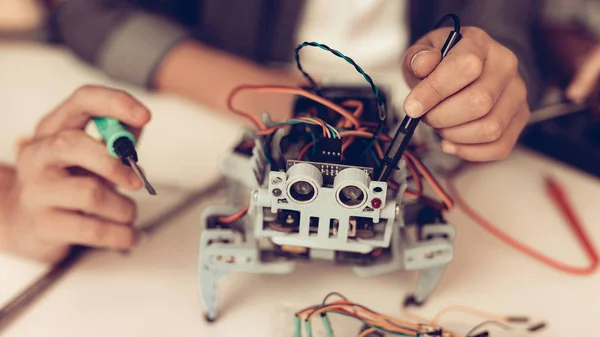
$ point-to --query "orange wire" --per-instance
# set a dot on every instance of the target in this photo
(413, 171)
(270, 130)
(383, 323)
(326, 132)
(431, 180)
(367, 331)
(466, 310)
(527, 250)
(234, 217)
(364, 134)
(357, 113)
(342, 303)
(286, 90)
(303, 150)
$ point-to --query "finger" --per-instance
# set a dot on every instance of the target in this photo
(73, 228)
(94, 101)
(422, 57)
(83, 194)
(499, 149)
(490, 127)
(585, 80)
(477, 99)
(75, 148)
(462, 65)
(419, 61)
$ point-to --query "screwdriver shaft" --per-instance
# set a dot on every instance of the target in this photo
(137, 170)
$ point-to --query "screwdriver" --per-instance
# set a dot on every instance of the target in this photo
(120, 144)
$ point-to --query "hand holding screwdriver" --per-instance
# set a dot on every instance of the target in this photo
(120, 143)
(62, 190)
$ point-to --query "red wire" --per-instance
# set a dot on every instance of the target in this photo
(234, 217)
(576, 226)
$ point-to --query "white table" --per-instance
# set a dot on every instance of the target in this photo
(153, 292)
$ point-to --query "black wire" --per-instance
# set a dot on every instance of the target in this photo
(454, 18)
(334, 293)
(313, 84)
(481, 325)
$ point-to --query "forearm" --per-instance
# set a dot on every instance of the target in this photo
(568, 48)
(207, 76)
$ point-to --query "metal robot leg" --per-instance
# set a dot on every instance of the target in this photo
(227, 250)
(430, 255)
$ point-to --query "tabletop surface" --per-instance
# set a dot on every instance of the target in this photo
(153, 291)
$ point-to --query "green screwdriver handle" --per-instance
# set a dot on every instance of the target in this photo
(111, 130)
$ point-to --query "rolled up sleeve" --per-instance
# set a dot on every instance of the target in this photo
(121, 39)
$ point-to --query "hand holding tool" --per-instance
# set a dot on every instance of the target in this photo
(407, 127)
(120, 143)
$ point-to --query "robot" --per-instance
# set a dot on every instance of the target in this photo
(323, 204)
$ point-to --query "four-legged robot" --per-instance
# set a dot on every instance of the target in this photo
(321, 207)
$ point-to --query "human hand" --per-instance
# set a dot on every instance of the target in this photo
(474, 98)
(585, 80)
(63, 189)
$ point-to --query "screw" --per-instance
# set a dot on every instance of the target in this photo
(276, 192)
(255, 195)
(277, 180)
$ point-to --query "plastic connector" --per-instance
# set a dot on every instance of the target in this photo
(124, 148)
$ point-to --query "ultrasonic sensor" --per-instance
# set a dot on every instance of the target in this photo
(304, 181)
(351, 196)
(302, 191)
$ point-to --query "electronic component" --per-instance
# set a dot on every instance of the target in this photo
(375, 323)
(120, 143)
(321, 210)
(329, 150)
(313, 194)
(330, 171)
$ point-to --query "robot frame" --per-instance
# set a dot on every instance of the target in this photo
(310, 194)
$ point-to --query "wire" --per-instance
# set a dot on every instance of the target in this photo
(234, 217)
(367, 331)
(286, 90)
(327, 129)
(574, 223)
(313, 84)
(327, 325)
(334, 293)
(357, 113)
(454, 18)
(466, 310)
(406, 326)
(481, 325)
(362, 134)
(303, 150)
(448, 201)
(416, 177)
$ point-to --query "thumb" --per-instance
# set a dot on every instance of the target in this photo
(585, 80)
(424, 56)
(419, 61)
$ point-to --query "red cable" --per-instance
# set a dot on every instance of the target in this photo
(559, 197)
(226, 220)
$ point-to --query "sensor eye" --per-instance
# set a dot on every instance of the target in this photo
(302, 191)
(303, 183)
(351, 196)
